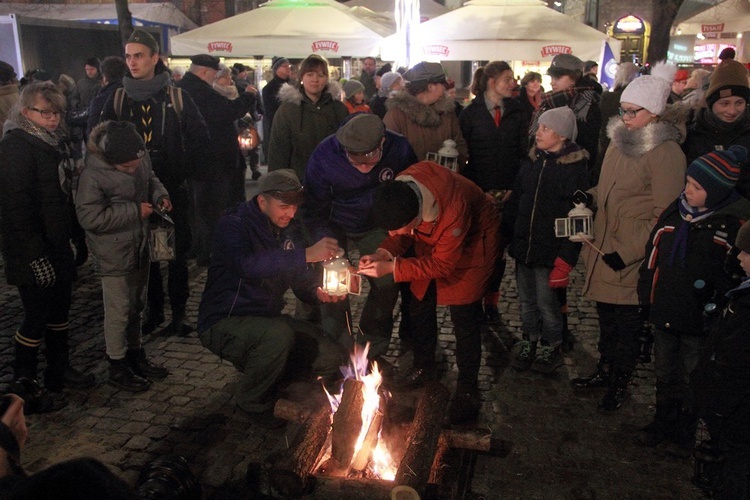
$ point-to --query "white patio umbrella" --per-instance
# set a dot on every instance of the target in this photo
(289, 28)
(502, 29)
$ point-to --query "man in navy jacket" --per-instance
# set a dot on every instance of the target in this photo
(340, 181)
(255, 259)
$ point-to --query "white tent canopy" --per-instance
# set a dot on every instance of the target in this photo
(428, 9)
(730, 16)
(288, 28)
(144, 14)
(501, 29)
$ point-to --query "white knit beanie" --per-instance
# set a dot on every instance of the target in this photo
(651, 91)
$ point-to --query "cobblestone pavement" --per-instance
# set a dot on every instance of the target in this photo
(557, 445)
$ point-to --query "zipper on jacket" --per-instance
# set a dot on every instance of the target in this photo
(533, 208)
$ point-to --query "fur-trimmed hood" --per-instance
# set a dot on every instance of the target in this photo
(425, 116)
(292, 94)
(571, 154)
(94, 143)
(671, 126)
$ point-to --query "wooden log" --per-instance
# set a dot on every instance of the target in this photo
(347, 422)
(289, 470)
(362, 458)
(438, 469)
(352, 488)
(424, 433)
(469, 439)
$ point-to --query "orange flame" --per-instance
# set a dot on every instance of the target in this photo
(381, 463)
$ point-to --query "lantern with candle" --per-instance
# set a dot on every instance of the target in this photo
(577, 226)
(447, 156)
(338, 279)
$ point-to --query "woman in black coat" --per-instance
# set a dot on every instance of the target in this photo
(35, 172)
(495, 127)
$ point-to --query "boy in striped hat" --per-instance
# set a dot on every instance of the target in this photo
(682, 279)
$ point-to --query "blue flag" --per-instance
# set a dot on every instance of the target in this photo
(608, 68)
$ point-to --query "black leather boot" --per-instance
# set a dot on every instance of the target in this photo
(59, 373)
(121, 375)
(37, 399)
(141, 366)
(662, 427)
(617, 393)
(600, 378)
(179, 326)
(683, 440)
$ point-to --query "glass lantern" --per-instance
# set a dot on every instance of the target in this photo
(337, 276)
(447, 156)
(248, 139)
(162, 244)
(577, 226)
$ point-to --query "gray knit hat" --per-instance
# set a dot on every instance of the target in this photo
(352, 87)
(277, 62)
(562, 121)
(389, 79)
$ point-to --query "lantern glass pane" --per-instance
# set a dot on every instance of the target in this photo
(562, 228)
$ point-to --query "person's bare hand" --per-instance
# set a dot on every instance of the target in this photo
(379, 255)
(324, 296)
(376, 269)
(166, 204)
(146, 210)
(15, 419)
(324, 249)
(252, 89)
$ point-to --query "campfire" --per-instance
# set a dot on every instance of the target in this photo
(357, 444)
(353, 440)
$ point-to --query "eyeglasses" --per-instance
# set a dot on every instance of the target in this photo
(369, 158)
(46, 113)
(630, 113)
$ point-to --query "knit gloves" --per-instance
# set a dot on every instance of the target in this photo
(559, 276)
(44, 273)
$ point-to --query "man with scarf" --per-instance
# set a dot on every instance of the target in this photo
(176, 136)
(570, 89)
(684, 271)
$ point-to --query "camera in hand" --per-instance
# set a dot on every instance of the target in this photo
(168, 478)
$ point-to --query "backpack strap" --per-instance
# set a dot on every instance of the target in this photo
(175, 95)
(119, 99)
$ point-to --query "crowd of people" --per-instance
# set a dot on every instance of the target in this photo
(88, 169)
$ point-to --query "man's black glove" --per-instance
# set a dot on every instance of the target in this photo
(614, 261)
(583, 197)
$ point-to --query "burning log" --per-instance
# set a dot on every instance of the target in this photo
(424, 434)
(469, 439)
(347, 422)
(289, 470)
(371, 440)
